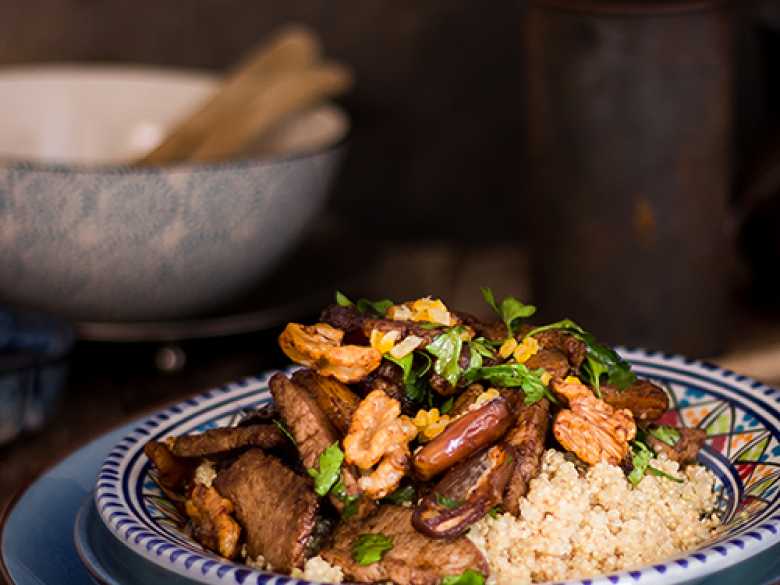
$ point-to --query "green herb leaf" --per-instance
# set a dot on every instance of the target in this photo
(659, 473)
(339, 490)
(447, 405)
(483, 347)
(285, 431)
(641, 455)
(448, 503)
(446, 348)
(370, 548)
(329, 469)
(601, 359)
(510, 310)
(467, 577)
(342, 300)
(415, 385)
(495, 511)
(401, 495)
(405, 363)
(378, 307)
(514, 376)
(665, 433)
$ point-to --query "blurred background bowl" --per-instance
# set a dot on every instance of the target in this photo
(86, 236)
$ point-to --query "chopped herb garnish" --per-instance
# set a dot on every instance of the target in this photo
(401, 495)
(600, 359)
(285, 431)
(370, 548)
(342, 300)
(495, 511)
(446, 349)
(666, 434)
(448, 503)
(329, 469)
(483, 347)
(641, 455)
(467, 577)
(514, 376)
(447, 405)
(339, 490)
(510, 309)
(405, 363)
(659, 473)
(377, 307)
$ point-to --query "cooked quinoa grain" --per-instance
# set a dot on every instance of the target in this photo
(575, 527)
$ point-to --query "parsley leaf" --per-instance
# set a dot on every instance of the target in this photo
(405, 363)
(370, 548)
(446, 349)
(510, 309)
(665, 433)
(339, 490)
(447, 405)
(600, 358)
(513, 376)
(329, 469)
(401, 495)
(285, 431)
(378, 307)
(495, 511)
(467, 577)
(342, 300)
(659, 473)
(448, 503)
(640, 459)
(483, 347)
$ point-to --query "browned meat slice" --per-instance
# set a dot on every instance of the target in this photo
(685, 450)
(553, 361)
(645, 400)
(335, 399)
(216, 441)
(465, 494)
(308, 424)
(313, 433)
(495, 330)
(173, 473)
(213, 525)
(414, 559)
(527, 438)
(389, 379)
(352, 322)
(570, 346)
(466, 399)
(276, 507)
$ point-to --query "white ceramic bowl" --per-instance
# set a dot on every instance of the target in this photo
(86, 236)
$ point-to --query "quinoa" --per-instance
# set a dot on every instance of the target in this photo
(318, 569)
(573, 526)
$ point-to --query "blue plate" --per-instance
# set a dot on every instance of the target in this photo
(37, 537)
(109, 563)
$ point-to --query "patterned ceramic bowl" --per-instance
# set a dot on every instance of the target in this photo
(741, 417)
(85, 237)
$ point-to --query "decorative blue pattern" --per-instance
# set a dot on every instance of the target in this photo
(123, 487)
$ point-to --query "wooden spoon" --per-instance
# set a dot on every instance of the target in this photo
(292, 50)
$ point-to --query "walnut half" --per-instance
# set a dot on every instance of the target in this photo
(213, 524)
(591, 428)
(319, 347)
(379, 434)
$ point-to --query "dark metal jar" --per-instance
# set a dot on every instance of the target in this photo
(629, 116)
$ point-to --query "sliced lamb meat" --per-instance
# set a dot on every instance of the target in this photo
(527, 437)
(215, 441)
(276, 507)
(389, 379)
(414, 558)
(553, 361)
(685, 450)
(466, 399)
(307, 422)
(352, 322)
(335, 399)
(313, 433)
(173, 473)
(645, 400)
(570, 346)
(494, 330)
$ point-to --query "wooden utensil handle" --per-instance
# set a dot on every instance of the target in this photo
(294, 49)
(289, 92)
